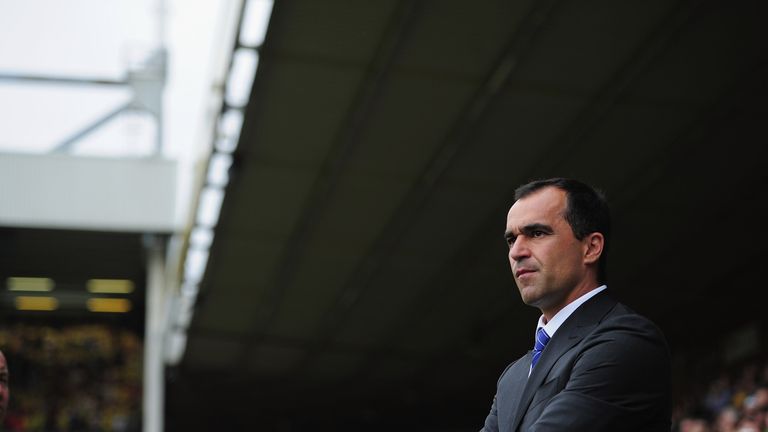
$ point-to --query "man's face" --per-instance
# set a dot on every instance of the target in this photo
(546, 258)
(4, 390)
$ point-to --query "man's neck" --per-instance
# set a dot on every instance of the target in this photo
(577, 292)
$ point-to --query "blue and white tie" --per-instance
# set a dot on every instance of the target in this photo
(541, 341)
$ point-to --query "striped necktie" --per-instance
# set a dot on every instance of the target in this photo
(541, 341)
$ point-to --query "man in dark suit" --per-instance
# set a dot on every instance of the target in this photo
(596, 365)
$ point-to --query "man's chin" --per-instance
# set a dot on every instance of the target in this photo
(528, 296)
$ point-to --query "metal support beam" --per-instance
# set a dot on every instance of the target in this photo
(42, 79)
(146, 80)
(66, 145)
(154, 377)
(107, 194)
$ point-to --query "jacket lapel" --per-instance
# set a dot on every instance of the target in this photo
(513, 386)
(570, 333)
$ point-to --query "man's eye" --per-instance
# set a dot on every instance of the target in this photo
(510, 241)
(538, 233)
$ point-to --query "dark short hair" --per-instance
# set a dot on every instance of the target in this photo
(586, 212)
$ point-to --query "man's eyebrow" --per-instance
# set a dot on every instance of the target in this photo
(530, 228)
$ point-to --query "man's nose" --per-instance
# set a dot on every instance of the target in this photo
(519, 249)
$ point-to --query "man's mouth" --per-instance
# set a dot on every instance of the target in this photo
(521, 272)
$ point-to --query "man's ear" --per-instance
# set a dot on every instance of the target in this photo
(593, 247)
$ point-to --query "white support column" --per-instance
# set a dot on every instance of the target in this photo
(154, 376)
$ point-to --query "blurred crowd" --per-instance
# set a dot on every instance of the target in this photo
(88, 378)
(734, 401)
(77, 378)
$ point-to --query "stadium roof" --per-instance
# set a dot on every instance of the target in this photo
(358, 277)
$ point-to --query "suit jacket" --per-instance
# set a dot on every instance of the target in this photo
(605, 369)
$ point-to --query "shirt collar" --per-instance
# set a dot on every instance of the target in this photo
(560, 317)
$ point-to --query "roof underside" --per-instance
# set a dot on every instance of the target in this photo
(359, 277)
